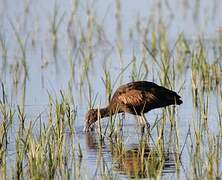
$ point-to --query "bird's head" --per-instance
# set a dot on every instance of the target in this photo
(91, 117)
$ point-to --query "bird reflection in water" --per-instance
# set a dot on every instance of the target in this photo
(137, 160)
(144, 162)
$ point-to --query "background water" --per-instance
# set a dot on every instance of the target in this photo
(51, 70)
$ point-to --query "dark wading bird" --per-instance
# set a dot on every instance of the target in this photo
(135, 98)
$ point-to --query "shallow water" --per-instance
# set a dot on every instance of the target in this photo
(49, 72)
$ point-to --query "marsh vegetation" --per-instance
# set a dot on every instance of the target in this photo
(60, 58)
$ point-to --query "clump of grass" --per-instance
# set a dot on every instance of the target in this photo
(182, 53)
(22, 46)
(119, 43)
(54, 28)
(4, 52)
(138, 72)
(45, 155)
(6, 115)
(107, 83)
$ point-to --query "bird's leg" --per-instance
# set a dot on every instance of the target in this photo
(121, 120)
(142, 124)
(123, 115)
(145, 122)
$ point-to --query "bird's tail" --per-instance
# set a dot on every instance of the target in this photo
(178, 100)
(175, 98)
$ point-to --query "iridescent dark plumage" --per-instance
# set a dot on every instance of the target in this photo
(135, 98)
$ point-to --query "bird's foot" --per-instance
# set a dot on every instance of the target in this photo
(142, 130)
(148, 128)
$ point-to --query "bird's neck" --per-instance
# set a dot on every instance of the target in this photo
(104, 112)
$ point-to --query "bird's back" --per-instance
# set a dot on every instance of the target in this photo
(141, 96)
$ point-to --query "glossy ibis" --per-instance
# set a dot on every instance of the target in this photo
(135, 98)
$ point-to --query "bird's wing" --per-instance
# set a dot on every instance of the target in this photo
(137, 98)
(144, 93)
